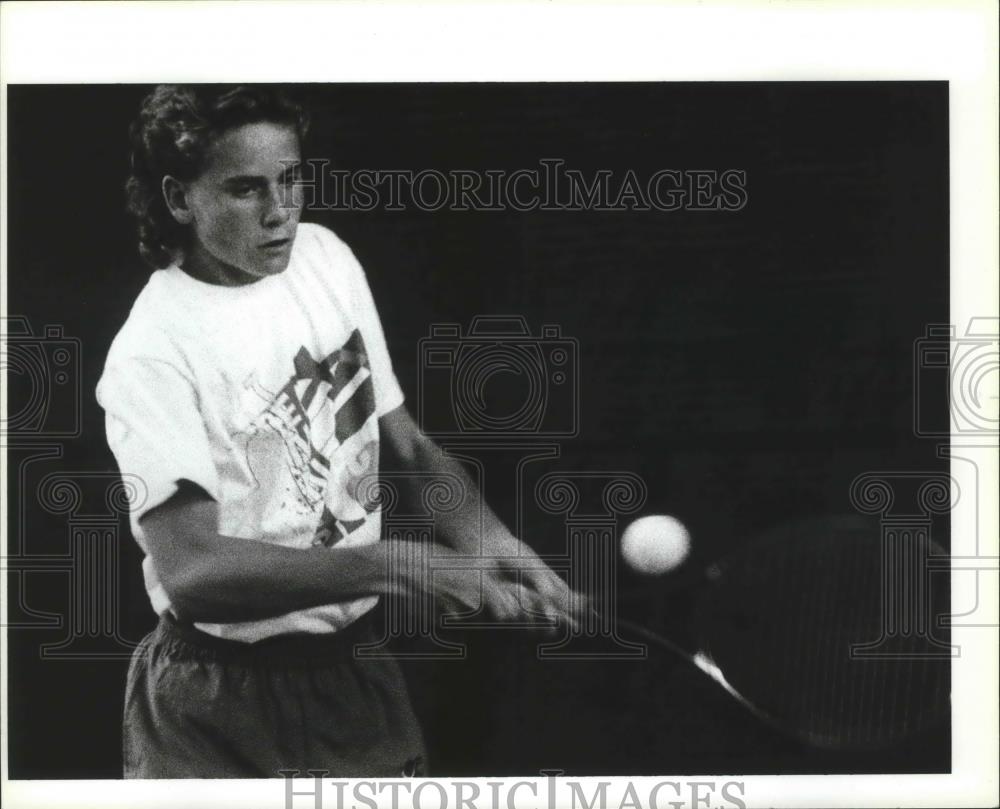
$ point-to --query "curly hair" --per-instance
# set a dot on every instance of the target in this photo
(175, 127)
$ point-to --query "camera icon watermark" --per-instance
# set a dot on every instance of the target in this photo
(498, 381)
(42, 374)
(968, 368)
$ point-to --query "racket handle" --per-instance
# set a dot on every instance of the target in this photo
(645, 633)
(653, 637)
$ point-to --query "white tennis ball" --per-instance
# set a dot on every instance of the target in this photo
(655, 544)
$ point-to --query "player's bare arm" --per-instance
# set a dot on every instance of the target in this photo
(214, 578)
(474, 529)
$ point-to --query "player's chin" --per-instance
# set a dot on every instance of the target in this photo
(271, 263)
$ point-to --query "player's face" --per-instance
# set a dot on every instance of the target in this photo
(245, 205)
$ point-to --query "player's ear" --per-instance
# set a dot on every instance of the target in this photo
(175, 195)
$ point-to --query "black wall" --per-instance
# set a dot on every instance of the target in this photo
(747, 364)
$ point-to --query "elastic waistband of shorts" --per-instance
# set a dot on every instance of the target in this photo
(278, 651)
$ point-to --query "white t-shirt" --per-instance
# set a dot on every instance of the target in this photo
(267, 396)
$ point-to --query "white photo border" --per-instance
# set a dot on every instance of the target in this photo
(139, 42)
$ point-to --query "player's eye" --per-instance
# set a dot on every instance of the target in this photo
(244, 190)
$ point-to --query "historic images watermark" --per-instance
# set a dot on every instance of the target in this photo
(967, 366)
(551, 185)
(456, 367)
(45, 364)
(956, 404)
(88, 508)
(956, 377)
(308, 790)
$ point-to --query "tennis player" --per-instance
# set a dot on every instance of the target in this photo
(251, 392)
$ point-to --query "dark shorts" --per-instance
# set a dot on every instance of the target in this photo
(197, 706)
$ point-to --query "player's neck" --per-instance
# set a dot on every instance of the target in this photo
(203, 266)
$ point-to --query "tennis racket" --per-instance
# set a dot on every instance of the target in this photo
(830, 630)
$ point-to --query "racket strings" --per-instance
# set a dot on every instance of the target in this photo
(831, 635)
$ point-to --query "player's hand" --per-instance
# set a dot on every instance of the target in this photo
(543, 594)
(507, 588)
(482, 584)
(550, 596)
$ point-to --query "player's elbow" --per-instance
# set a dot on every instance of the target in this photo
(189, 586)
(181, 538)
(189, 568)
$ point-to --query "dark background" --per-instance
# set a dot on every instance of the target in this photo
(747, 365)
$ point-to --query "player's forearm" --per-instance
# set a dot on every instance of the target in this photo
(244, 580)
(472, 529)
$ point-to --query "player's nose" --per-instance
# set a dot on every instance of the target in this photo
(278, 208)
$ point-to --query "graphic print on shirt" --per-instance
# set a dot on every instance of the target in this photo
(309, 445)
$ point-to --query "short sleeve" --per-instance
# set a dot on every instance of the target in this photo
(388, 393)
(155, 430)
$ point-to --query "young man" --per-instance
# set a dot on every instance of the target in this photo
(251, 392)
